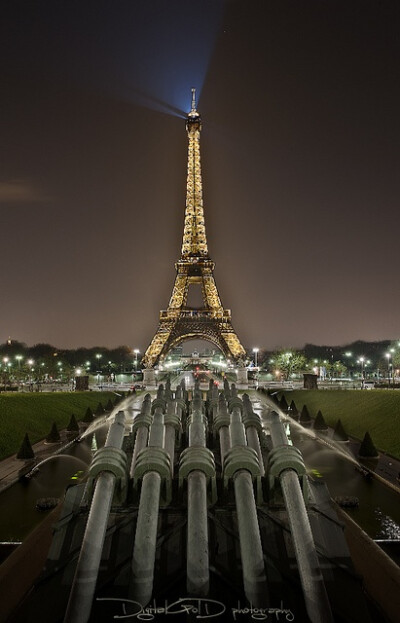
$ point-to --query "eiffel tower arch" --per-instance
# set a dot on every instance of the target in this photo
(179, 321)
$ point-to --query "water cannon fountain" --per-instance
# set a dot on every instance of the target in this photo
(196, 500)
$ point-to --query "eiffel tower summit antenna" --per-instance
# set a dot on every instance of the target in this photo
(193, 109)
(180, 322)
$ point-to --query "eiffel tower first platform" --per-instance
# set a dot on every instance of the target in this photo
(180, 322)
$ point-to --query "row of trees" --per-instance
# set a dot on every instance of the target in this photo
(19, 362)
(284, 364)
(74, 357)
(36, 364)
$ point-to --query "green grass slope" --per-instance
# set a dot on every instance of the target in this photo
(376, 411)
(34, 414)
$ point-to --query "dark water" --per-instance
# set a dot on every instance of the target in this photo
(19, 515)
(378, 512)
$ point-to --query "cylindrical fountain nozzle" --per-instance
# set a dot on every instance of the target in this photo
(84, 583)
(286, 463)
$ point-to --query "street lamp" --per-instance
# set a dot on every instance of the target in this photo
(19, 358)
(361, 361)
(136, 351)
(256, 351)
(392, 353)
(388, 356)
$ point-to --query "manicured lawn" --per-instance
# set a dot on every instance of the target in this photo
(376, 411)
(34, 414)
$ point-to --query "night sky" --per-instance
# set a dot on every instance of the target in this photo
(300, 104)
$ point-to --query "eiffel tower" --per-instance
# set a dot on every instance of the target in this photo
(180, 322)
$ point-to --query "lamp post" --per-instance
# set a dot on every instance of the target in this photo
(98, 357)
(392, 353)
(361, 361)
(30, 364)
(388, 355)
(19, 358)
(136, 351)
(256, 351)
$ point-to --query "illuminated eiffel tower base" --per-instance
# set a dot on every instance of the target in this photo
(180, 322)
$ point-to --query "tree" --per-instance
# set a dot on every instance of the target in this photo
(394, 350)
(88, 417)
(339, 434)
(99, 409)
(339, 368)
(109, 405)
(319, 422)
(367, 448)
(283, 404)
(26, 450)
(12, 348)
(288, 362)
(42, 351)
(54, 435)
(305, 417)
(73, 425)
(293, 410)
(6, 376)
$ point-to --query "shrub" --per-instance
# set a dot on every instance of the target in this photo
(294, 412)
(73, 424)
(319, 422)
(367, 448)
(88, 416)
(26, 450)
(274, 396)
(54, 435)
(305, 417)
(99, 409)
(339, 434)
(283, 404)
